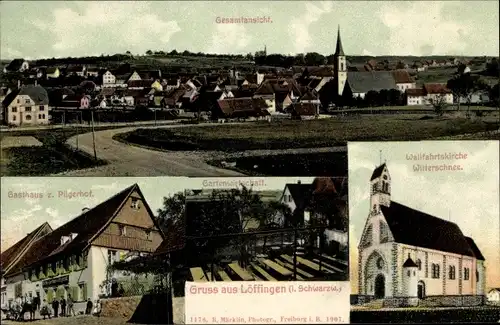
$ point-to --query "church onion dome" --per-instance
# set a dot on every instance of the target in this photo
(409, 263)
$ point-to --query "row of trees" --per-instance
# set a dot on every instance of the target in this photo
(278, 60)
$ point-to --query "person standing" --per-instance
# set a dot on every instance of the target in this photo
(88, 310)
(55, 306)
(63, 307)
(71, 310)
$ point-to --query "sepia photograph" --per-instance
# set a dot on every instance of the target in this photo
(211, 89)
(422, 247)
(120, 248)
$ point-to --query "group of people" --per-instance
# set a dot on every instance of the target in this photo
(63, 308)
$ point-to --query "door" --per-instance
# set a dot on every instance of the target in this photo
(421, 290)
(379, 286)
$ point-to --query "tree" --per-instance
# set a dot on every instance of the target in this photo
(371, 98)
(439, 104)
(463, 86)
(149, 52)
(313, 58)
(128, 52)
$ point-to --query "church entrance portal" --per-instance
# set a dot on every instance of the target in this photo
(379, 286)
(421, 290)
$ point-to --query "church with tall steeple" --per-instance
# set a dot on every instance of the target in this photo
(406, 255)
(340, 66)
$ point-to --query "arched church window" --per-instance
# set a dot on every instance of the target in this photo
(477, 276)
(385, 177)
(409, 273)
(414, 273)
(419, 264)
(380, 263)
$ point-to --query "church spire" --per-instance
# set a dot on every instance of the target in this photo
(339, 51)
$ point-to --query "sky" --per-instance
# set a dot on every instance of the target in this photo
(36, 29)
(469, 198)
(20, 216)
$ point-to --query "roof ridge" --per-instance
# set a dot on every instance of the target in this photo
(99, 204)
(430, 215)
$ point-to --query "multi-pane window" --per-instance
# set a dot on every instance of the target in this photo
(419, 264)
(451, 272)
(435, 271)
(466, 273)
(28, 109)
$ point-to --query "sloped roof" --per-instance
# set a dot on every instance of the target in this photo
(15, 65)
(377, 172)
(337, 185)
(139, 83)
(13, 252)
(37, 94)
(301, 193)
(325, 71)
(415, 228)
(475, 249)
(416, 92)
(363, 82)
(402, 76)
(86, 226)
(436, 88)
(310, 95)
(241, 107)
(409, 263)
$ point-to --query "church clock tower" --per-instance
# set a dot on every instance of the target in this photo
(340, 68)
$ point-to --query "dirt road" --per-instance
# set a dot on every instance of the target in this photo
(129, 160)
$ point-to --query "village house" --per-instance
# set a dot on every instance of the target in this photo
(416, 96)
(52, 73)
(16, 65)
(236, 108)
(76, 70)
(324, 199)
(403, 80)
(404, 257)
(11, 257)
(107, 78)
(494, 296)
(436, 91)
(26, 105)
(75, 102)
(74, 258)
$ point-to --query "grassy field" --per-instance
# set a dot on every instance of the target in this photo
(52, 157)
(307, 134)
(457, 315)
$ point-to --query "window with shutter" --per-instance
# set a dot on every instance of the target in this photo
(84, 292)
(50, 295)
(75, 293)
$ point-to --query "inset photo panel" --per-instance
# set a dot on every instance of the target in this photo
(127, 247)
(424, 231)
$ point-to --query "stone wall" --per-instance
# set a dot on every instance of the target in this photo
(454, 301)
(127, 307)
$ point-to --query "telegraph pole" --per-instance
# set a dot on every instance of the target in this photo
(93, 132)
